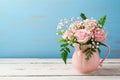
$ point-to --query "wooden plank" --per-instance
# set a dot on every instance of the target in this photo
(51, 67)
(57, 70)
(44, 61)
(64, 78)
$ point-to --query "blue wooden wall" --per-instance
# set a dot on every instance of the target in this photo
(28, 27)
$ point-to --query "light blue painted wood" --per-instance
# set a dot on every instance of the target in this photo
(27, 27)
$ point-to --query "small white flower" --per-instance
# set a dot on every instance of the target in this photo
(59, 27)
(97, 46)
(66, 22)
(93, 46)
(62, 30)
(91, 39)
(60, 24)
(72, 19)
(99, 25)
(83, 24)
(97, 43)
(56, 33)
(93, 42)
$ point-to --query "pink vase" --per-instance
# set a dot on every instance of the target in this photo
(81, 64)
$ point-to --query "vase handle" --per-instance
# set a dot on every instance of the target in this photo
(108, 52)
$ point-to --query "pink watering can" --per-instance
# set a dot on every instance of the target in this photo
(82, 65)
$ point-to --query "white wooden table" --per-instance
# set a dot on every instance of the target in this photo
(54, 69)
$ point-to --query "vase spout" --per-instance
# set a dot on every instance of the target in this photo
(76, 46)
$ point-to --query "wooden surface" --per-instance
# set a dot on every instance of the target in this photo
(54, 69)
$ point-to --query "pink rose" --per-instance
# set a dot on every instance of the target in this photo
(82, 35)
(100, 35)
(67, 35)
(75, 26)
(90, 24)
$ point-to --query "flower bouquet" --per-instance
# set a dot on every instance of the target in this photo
(86, 36)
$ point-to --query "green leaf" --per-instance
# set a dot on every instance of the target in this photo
(71, 45)
(67, 49)
(64, 45)
(93, 50)
(103, 44)
(61, 40)
(64, 52)
(99, 51)
(64, 56)
(89, 52)
(89, 55)
(83, 16)
(62, 49)
(102, 20)
(60, 33)
(86, 50)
